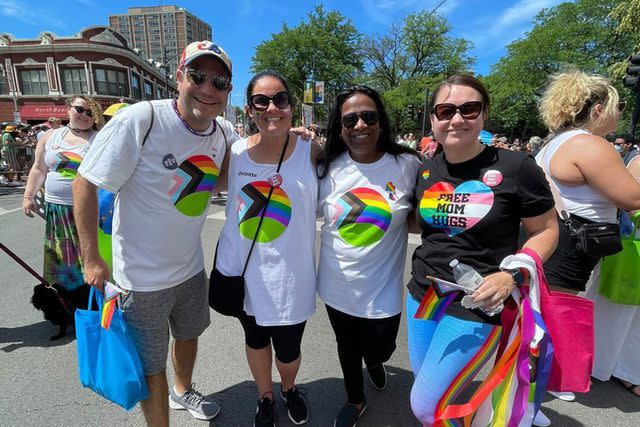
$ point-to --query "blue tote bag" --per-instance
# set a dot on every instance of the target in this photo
(108, 362)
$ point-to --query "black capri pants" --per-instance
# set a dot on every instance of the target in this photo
(286, 339)
(358, 338)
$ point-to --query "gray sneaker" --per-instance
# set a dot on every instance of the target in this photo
(201, 407)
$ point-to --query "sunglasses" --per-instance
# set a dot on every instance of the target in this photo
(261, 102)
(81, 110)
(468, 110)
(198, 77)
(370, 118)
(621, 106)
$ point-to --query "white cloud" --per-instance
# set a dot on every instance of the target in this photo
(512, 23)
(388, 11)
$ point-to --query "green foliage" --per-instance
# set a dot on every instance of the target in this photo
(419, 46)
(571, 35)
(325, 47)
(411, 57)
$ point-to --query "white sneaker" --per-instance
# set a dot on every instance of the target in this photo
(541, 420)
(567, 396)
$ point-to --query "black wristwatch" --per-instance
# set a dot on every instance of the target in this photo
(518, 276)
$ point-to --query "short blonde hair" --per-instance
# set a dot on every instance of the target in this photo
(569, 99)
(96, 109)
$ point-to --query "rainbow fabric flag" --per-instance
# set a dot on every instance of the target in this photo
(511, 394)
(107, 313)
(433, 307)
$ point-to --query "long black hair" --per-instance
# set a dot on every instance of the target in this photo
(335, 146)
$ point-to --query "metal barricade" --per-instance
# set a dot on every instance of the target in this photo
(16, 161)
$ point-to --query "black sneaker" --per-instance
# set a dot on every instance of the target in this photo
(349, 415)
(296, 402)
(265, 413)
(378, 376)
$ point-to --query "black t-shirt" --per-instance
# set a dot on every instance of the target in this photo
(471, 211)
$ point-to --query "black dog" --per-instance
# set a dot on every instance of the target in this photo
(60, 313)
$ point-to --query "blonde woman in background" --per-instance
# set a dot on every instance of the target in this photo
(58, 156)
(580, 109)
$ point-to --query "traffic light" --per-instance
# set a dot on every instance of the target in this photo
(631, 80)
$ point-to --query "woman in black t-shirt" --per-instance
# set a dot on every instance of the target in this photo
(471, 199)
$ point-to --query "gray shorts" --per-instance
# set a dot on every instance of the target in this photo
(184, 308)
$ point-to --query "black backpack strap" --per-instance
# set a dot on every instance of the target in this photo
(146, 135)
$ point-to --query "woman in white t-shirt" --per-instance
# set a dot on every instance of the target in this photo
(280, 274)
(58, 156)
(366, 192)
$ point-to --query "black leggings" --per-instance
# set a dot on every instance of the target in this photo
(358, 338)
(286, 339)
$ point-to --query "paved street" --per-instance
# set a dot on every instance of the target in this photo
(40, 387)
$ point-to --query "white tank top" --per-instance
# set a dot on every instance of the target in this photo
(581, 200)
(62, 160)
(281, 275)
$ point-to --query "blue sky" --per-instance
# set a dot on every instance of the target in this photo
(240, 25)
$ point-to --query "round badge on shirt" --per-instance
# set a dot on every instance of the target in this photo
(492, 178)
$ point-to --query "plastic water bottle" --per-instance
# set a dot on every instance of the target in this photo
(467, 277)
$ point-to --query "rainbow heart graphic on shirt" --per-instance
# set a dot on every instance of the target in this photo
(251, 201)
(192, 184)
(362, 216)
(67, 164)
(456, 210)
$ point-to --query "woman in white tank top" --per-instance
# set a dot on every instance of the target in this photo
(580, 109)
(280, 276)
(590, 175)
(58, 155)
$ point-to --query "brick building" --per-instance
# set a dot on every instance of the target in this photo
(160, 32)
(37, 75)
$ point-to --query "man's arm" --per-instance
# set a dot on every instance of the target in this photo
(85, 210)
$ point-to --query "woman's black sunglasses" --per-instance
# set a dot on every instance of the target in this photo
(219, 82)
(81, 110)
(468, 110)
(261, 102)
(370, 118)
(621, 106)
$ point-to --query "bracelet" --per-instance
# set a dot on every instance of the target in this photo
(27, 197)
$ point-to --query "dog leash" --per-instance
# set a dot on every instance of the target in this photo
(42, 280)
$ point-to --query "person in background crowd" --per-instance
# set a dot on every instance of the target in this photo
(580, 109)
(157, 248)
(617, 326)
(9, 152)
(624, 144)
(240, 130)
(54, 122)
(280, 275)
(362, 256)
(59, 153)
(508, 188)
(535, 142)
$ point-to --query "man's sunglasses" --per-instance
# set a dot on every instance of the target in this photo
(261, 102)
(468, 110)
(81, 110)
(370, 118)
(219, 82)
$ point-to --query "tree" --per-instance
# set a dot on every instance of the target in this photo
(419, 46)
(325, 48)
(571, 35)
(628, 14)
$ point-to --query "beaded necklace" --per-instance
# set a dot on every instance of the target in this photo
(174, 103)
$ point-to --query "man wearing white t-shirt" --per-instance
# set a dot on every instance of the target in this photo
(163, 159)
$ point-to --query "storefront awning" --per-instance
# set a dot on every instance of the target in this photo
(43, 111)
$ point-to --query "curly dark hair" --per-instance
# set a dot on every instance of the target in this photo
(335, 146)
